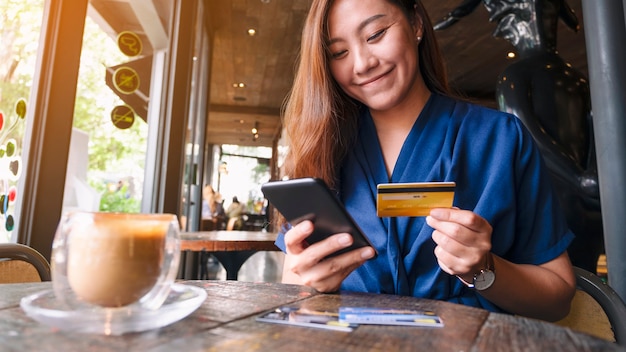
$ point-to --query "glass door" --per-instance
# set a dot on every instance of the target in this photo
(195, 161)
(107, 123)
(116, 93)
(242, 171)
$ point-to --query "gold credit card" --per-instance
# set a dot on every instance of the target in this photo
(413, 199)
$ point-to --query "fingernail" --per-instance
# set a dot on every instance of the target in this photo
(305, 226)
(436, 213)
(367, 253)
(344, 240)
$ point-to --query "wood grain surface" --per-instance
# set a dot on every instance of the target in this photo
(226, 322)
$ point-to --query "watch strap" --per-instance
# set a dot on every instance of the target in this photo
(488, 268)
(468, 284)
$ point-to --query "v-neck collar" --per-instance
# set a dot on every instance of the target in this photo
(371, 144)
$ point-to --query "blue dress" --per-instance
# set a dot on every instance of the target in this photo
(499, 175)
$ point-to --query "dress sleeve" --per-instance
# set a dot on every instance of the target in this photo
(280, 239)
(502, 177)
(543, 233)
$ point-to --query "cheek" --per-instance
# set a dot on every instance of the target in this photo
(341, 72)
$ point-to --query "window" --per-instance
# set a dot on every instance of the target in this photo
(20, 26)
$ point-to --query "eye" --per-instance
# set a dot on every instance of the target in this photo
(376, 35)
(338, 54)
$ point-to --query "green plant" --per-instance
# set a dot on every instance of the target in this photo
(117, 200)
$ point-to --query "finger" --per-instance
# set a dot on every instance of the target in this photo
(466, 218)
(310, 256)
(442, 264)
(295, 238)
(462, 234)
(452, 230)
(452, 264)
(328, 275)
(320, 250)
(456, 248)
(455, 255)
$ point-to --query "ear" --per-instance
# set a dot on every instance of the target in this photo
(419, 31)
(417, 23)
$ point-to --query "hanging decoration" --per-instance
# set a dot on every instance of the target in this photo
(10, 164)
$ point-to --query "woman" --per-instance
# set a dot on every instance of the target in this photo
(370, 104)
(234, 214)
(212, 203)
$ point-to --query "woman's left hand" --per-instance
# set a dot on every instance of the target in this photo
(463, 241)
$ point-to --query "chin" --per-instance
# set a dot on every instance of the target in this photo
(382, 103)
(380, 107)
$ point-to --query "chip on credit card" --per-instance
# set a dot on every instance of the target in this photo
(413, 199)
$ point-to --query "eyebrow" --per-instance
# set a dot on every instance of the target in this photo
(361, 26)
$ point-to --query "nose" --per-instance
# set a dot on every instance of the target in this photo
(364, 60)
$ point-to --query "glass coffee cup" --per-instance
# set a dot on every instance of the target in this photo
(113, 260)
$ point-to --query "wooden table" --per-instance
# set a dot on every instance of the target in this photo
(226, 322)
(231, 248)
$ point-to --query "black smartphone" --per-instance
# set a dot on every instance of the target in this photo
(310, 199)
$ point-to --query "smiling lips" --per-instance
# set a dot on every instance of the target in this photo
(374, 79)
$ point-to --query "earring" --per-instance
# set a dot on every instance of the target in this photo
(419, 39)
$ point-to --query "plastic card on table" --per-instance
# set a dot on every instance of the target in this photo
(386, 316)
(307, 318)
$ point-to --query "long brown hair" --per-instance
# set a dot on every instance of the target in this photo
(320, 119)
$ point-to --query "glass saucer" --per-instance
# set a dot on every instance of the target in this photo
(45, 308)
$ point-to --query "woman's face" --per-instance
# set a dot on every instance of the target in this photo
(373, 52)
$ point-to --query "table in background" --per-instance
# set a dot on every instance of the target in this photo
(226, 322)
(231, 248)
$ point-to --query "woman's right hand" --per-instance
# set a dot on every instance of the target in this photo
(308, 264)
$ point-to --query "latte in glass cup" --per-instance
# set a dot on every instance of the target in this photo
(114, 260)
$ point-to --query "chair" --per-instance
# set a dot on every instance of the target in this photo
(596, 309)
(21, 263)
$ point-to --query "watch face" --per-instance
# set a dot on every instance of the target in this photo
(484, 280)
